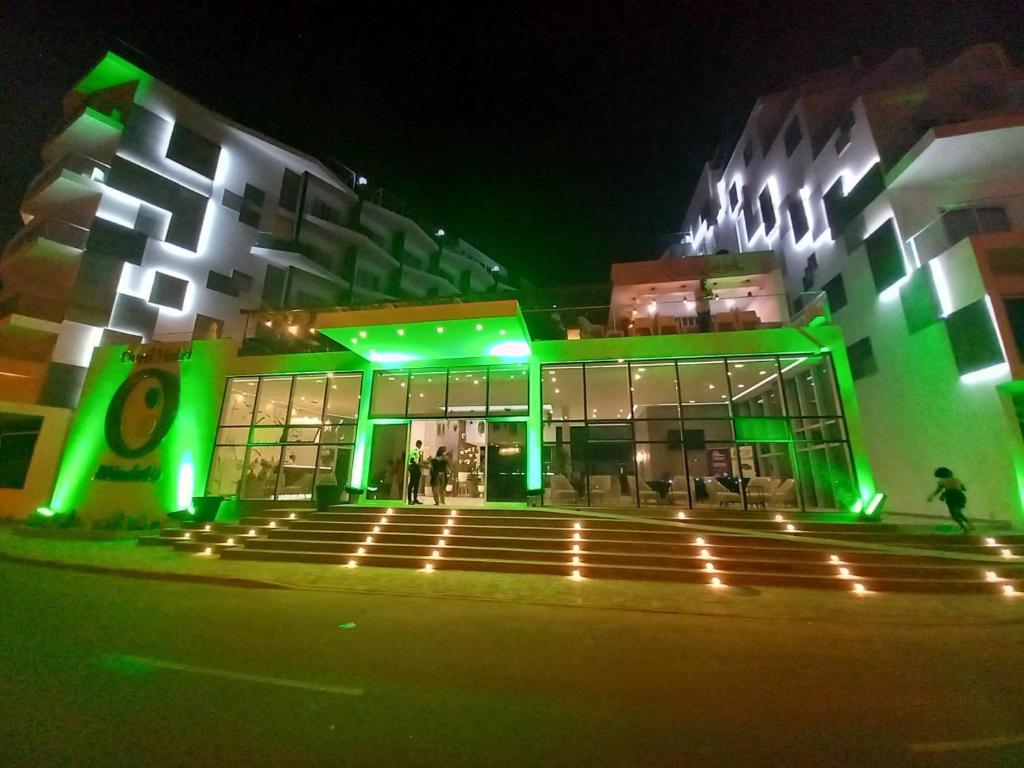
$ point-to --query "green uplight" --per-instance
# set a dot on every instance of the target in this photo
(875, 504)
(858, 506)
(186, 482)
(45, 512)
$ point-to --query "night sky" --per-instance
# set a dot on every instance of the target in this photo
(556, 137)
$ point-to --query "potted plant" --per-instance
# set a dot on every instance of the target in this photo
(327, 495)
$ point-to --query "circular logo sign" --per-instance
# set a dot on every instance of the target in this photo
(141, 412)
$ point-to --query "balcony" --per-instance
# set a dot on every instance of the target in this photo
(67, 179)
(86, 130)
(47, 235)
(658, 318)
(952, 226)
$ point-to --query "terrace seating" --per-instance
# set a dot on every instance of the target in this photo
(760, 489)
(678, 494)
(561, 491)
(720, 495)
(647, 494)
(785, 494)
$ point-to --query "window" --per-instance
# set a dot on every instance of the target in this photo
(792, 136)
(767, 210)
(389, 393)
(291, 183)
(453, 394)
(862, 358)
(749, 220)
(168, 291)
(748, 152)
(734, 197)
(509, 391)
(885, 256)
(835, 290)
(845, 129)
(18, 435)
(974, 338)
(280, 436)
(562, 392)
(797, 217)
(754, 432)
(191, 150)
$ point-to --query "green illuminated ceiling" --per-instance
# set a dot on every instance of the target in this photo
(110, 72)
(398, 335)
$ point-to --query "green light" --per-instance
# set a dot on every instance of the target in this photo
(111, 72)
(876, 502)
(45, 512)
(534, 431)
(364, 429)
(186, 482)
(857, 507)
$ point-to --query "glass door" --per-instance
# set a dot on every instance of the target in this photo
(388, 462)
(506, 461)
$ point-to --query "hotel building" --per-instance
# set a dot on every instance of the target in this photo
(895, 194)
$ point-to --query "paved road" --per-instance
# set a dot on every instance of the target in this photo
(108, 671)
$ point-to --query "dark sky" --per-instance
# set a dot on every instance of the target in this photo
(555, 136)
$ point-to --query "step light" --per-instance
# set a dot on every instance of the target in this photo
(705, 554)
(435, 554)
(207, 527)
(834, 558)
(230, 542)
(449, 522)
(383, 520)
(780, 519)
(376, 529)
(577, 526)
(1009, 590)
(389, 511)
(790, 527)
(361, 551)
(252, 532)
(699, 541)
(859, 588)
(989, 541)
(991, 576)
(440, 543)
(1006, 553)
(428, 568)
(445, 532)
(292, 516)
(576, 576)
(681, 515)
(717, 582)
(273, 524)
(709, 567)
(208, 551)
(187, 535)
(577, 537)
(575, 559)
(844, 573)
(351, 564)
(455, 513)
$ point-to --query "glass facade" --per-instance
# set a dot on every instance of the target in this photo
(746, 432)
(451, 393)
(279, 436)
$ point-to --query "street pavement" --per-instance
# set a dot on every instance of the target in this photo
(100, 670)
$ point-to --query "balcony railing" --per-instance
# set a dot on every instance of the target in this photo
(952, 226)
(717, 315)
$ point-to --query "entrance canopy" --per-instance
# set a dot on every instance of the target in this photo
(430, 332)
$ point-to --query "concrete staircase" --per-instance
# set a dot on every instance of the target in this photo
(718, 548)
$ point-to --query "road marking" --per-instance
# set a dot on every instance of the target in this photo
(243, 676)
(960, 746)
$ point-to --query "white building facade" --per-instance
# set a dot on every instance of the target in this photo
(157, 219)
(897, 193)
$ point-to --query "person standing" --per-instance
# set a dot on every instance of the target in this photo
(415, 471)
(439, 472)
(703, 301)
(952, 491)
